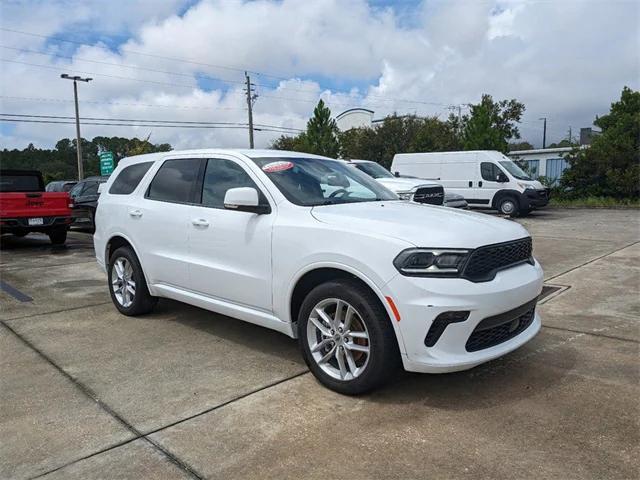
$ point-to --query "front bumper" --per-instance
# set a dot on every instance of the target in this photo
(535, 198)
(421, 300)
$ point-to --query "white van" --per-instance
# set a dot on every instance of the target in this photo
(485, 178)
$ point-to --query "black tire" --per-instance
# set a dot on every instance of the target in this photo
(58, 236)
(92, 220)
(508, 205)
(142, 302)
(384, 355)
(20, 234)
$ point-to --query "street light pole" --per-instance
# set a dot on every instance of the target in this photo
(544, 132)
(77, 79)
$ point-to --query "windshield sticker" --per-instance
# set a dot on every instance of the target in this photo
(279, 166)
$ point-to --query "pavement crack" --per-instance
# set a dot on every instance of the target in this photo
(590, 261)
(593, 334)
(93, 396)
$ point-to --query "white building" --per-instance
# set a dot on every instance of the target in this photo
(354, 118)
(547, 162)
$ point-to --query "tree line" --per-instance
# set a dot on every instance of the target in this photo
(488, 126)
(60, 163)
(609, 168)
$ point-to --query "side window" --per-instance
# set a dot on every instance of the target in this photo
(489, 171)
(77, 188)
(220, 176)
(129, 178)
(175, 181)
(90, 189)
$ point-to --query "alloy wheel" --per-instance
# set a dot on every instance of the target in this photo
(338, 339)
(122, 282)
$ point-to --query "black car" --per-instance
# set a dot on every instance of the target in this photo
(60, 186)
(85, 200)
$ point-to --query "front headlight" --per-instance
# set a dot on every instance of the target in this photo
(405, 195)
(427, 262)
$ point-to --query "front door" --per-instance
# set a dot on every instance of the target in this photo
(230, 250)
(488, 184)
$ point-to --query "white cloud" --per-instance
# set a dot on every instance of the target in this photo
(566, 60)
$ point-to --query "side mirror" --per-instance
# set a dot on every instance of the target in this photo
(502, 178)
(245, 199)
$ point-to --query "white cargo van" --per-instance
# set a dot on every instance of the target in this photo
(485, 178)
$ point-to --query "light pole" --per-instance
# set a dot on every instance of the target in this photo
(544, 132)
(77, 79)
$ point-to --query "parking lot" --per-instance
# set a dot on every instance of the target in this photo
(185, 393)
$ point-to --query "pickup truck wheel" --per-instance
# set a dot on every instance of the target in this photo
(346, 337)
(58, 236)
(127, 285)
(508, 206)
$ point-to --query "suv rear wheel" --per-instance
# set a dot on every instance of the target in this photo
(127, 285)
(346, 337)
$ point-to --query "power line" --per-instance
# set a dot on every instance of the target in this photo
(137, 120)
(384, 98)
(146, 105)
(231, 127)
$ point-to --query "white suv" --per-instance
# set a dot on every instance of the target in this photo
(318, 250)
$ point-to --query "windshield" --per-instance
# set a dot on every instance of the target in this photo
(373, 169)
(514, 170)
(313, 181)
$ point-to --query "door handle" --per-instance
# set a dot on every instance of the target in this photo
(200, 222)
(471, 184)
(135, 213)
(480, 183)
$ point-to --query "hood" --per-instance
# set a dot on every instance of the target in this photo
(403, 184)
(420, 225)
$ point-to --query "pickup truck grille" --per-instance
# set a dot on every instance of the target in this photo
(431, 195)
(485, 262)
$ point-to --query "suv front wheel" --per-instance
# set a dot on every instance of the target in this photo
(346, 337)
(127, 285)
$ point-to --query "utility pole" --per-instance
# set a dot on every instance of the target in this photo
(250, 99)
(77, 79)
(570, 141)
(544, 132)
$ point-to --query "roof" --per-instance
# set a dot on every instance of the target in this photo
(352, 110)
(251, 153)
(541, 150)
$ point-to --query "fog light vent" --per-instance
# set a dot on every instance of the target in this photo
(440, 324)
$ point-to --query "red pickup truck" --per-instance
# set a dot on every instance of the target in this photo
(26, 207)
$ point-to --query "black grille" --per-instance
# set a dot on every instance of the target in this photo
(494, 330)
(431, 195)
(485, 262)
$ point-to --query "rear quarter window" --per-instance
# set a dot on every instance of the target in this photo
(129, 178)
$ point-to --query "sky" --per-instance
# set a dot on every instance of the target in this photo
(184, 60)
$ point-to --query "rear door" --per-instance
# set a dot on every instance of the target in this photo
(230, 250)
(158, 221)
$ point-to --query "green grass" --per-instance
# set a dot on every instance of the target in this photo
(594, 202)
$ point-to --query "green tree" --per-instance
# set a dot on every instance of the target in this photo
(491, 124)
(611, 165)
(321, 136)
(519, 146)
(398, 134)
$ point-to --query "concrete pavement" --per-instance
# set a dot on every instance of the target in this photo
(184, 393)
